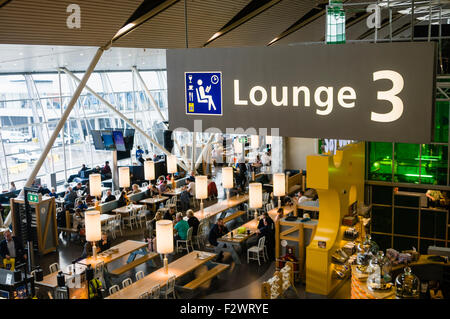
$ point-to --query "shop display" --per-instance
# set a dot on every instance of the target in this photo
(349, 220)
(379, 278)
(349, 248)
(339, 257)
(407, 285)
(351, 233)
(366, 250)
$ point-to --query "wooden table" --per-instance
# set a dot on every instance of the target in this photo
(153, 201)
(125, 248)
(174, 192)
(178, 268)
(231, 245)
(125, 210)
(221, 206)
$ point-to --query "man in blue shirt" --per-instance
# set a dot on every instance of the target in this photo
(139, 154)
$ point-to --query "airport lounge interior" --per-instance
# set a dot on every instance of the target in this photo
(239, 149)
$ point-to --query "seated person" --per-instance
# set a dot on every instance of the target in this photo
(70, 197)
(104, 243)
(123, 199)
(212, 188)
(193, 222)
(78, 187)
(53, 193)
(80, 205)
(106, 171)
(218, 230)
(13, 187)
(83, 169)
(266, 228)
(163, 187)
(170, 214)
(301, 197)
(184, 199)
(191, 187)
(151, 190)
(11, 247)
(109, 196)
(181, 227)
(280, 214)
(159, 180)
(135, 189)
(61, 219)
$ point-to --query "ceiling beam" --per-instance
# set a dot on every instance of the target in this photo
(312, 15)
(254, 8)
(131, 26)
(4, 2)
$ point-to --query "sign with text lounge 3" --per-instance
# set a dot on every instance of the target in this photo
(367, 92)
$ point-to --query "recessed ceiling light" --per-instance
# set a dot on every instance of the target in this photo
(20, 53)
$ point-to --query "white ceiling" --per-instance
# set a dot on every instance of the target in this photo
(39, 58)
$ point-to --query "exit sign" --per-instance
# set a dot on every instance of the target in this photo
(32, 197)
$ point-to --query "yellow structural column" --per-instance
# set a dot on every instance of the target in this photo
(339, 181)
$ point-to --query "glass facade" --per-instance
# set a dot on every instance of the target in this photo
(32, 104)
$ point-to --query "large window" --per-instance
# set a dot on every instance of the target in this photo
(31, 107)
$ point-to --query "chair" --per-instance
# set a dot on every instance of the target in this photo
(170, 287)
(131, 218)
(155, 293)
(194, 201)
(114, 289)
(142, 214)
(70, 269)
(198, 239)
(144, 296)
(139, 275)
(257, 250)
(126, 282)
(98, 271)
(116, 223)
(268, 207)
(266, 198)
(187, 242)
(54, 268)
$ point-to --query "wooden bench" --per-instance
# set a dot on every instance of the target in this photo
(210, 274)
(133, 264)
(233, 216)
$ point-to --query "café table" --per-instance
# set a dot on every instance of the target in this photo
(177, 268)
(232, 241)
(125, 210)
(153, 201)
(221, 206)
(174, 192)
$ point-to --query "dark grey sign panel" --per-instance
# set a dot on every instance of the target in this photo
(368, 92)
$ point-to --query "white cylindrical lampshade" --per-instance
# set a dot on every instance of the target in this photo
(171, 164)
(201, 187)
(93, 225)
(124, 176)
(268, 139)
(255, 195)
(164, 236)
(227, 177)
(254, 142)
(95, 185)
(279, 184)
(149, 170)
(237, 146)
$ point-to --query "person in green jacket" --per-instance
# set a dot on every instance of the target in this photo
(181, 227)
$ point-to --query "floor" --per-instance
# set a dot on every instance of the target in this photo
(240, 281)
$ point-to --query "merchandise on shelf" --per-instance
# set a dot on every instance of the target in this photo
(407, 285)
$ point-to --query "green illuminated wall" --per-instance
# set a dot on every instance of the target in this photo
(413, 163)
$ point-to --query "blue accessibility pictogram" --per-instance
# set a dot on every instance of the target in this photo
(203, 93)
